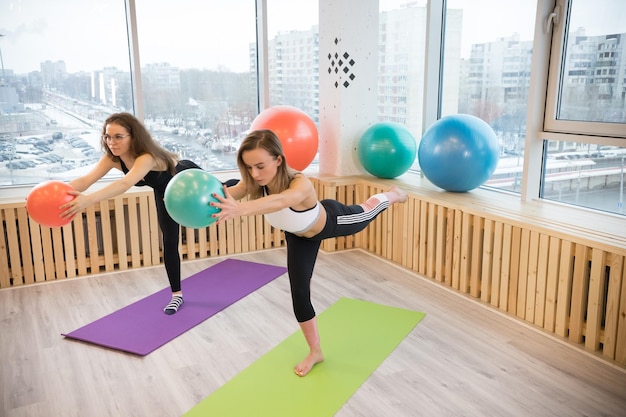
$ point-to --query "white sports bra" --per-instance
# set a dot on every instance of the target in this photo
(293, 221)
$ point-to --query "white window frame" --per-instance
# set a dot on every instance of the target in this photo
(540, 127)
(559, 24)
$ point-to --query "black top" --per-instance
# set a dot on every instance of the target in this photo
(158, 180)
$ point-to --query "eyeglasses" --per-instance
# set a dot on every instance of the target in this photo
(114, 138)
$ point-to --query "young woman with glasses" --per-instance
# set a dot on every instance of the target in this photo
(129, 147)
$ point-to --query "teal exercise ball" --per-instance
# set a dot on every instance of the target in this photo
(458, 153)
(387, 150)
(188, 198)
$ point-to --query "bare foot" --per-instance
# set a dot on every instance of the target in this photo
(400, 195)
(307, 364)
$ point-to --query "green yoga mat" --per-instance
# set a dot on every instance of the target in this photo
(356, 337)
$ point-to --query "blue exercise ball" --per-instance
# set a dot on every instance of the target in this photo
(188, 198)
(387, 150)
(458, 153)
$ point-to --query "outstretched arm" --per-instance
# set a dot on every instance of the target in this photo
(142, 165)
(300, 189)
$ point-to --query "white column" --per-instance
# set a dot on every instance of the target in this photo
(348, 65)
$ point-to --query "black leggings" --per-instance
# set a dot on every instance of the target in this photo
(171, 230)
(171, 233)
(341, 220)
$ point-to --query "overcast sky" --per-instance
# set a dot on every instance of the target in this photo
(39, 30)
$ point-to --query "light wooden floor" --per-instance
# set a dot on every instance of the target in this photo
(461, 360)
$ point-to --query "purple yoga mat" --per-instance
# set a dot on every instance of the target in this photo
(143, 327)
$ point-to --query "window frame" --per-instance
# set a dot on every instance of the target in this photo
(560, 25)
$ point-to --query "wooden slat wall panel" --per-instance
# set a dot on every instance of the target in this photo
(530, 274)
(487, 261)
(92, 239)
(13, 247)
(450, 239)
(513, 289)
(595, 307)
(620, 340)
(505, 271)
(531, 277)
(203, 247)
(79, 242)
(231, 237)
(541, 279)
(423, 237)
(48, 254)
(555, 281)
(496, 264)
(414, 205)
(107, 235)
(430, 243)
(188, 249)
(522, 282)
(120, 232)
(5, 273)
(25, 253)
(456, 249)
(57, 250)
(239, 239)
(612, 305)
(68, 250)
(213, 248)
(475, 271)
(146, 227)
(116, 234)
(267, 234)
(134, 229)
(564, 298)
(441, 239)
(552, 283)
(465, 255)
(580, 288)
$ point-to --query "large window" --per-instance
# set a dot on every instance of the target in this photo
(293, 54)
(585, 174)
(53, 94)
(585, 121)
(189, 69)
(486, 73)
(198, 81)
(589, 76)
(401, 53)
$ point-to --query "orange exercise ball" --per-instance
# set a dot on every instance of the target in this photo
(295, 129)
(44, 200)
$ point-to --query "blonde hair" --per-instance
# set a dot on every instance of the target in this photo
(267, 140)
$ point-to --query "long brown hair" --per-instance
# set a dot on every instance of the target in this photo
(141, 141)
(267, 140)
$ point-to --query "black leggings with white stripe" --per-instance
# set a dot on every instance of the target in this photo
(341, 220)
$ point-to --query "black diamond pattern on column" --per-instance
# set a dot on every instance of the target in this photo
(339, 66)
